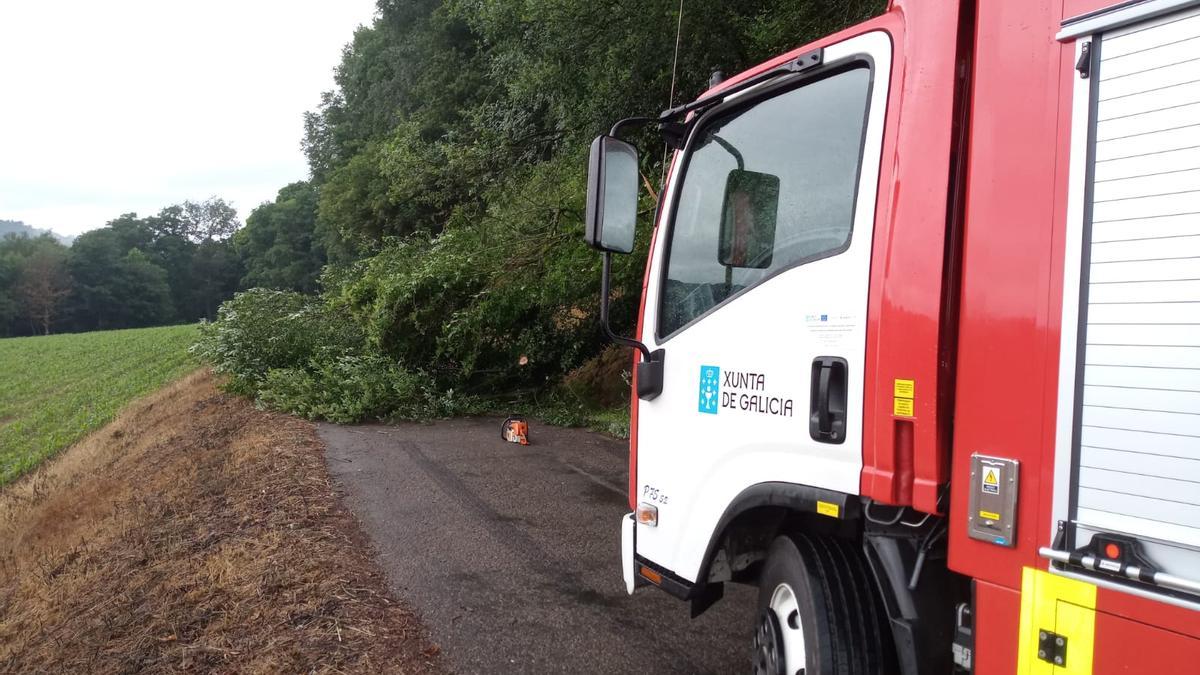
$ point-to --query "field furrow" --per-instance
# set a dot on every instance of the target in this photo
(54, 390)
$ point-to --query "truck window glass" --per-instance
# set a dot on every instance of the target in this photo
(809, 139)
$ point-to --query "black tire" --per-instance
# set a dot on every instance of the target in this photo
(839, 610)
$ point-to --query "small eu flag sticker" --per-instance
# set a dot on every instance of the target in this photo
(710, 389)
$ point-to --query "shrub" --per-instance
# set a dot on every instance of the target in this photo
(500, 302)
(344, 389)
(357, 388)
(262, 330)
(305, 356)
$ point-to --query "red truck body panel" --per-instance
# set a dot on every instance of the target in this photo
(1009, 333)
(1009, 312)
(906, 459)
(987, 359)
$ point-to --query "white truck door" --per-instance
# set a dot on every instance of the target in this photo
(758, 296)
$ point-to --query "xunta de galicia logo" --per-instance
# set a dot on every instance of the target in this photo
(710, 389)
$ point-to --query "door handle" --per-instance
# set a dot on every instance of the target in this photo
(824, 416)
(827, 400)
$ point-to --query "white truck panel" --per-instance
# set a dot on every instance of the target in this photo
(1144, 442)
(1158, 163)
(1187, 402)
(1142, 270)
(1146, 314)
(1184, 357)
(698, 462)
(1147, 206)
(1167, 31)
(1145, 146)
(1162, 466)
(1161, 182)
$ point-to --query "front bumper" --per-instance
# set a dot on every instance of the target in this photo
(627, 551)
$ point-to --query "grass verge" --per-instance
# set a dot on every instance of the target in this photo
(56, 389)
(194, 533)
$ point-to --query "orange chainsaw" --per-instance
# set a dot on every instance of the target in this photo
(515, 430)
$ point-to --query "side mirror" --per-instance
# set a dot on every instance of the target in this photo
(612, 196)
(748, 216)
(612, 200)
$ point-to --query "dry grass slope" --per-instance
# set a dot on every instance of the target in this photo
(194, 533)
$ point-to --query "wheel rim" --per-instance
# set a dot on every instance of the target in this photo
(768, 645)
(779, 641)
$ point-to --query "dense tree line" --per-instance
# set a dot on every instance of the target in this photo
(446, 191)
(177, 266)
(174, 267)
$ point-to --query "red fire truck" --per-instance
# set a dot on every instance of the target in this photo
(919, 344)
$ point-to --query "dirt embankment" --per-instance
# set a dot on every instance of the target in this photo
(194, 533)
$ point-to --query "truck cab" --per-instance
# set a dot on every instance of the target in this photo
(917, 352)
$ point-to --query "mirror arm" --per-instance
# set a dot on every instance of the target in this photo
(741, 161)
(615, 132)
(608, 331)
(606, 273)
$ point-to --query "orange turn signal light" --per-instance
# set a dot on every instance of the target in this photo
(647, 514)
(650, 574)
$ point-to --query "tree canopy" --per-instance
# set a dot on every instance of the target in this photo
(176, 266)
(447, 175)
(280, 244)
(438, 235)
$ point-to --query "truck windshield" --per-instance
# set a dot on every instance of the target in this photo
(804, 145)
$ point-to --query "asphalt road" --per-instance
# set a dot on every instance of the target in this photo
(511, 554)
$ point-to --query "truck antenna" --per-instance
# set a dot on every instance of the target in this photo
(671, 96)
(675, 59)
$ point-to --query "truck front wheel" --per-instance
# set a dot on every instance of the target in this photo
(818, 611)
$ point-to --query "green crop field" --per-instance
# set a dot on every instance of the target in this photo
(56, 389)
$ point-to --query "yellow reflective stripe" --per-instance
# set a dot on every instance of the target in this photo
(1064, 606)
(1027, 635)
(1079, 625)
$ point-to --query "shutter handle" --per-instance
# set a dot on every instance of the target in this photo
(1084, 64)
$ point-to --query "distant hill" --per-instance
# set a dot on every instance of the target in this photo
(18, 227)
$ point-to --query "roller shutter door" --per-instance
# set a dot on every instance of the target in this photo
(1136, 454)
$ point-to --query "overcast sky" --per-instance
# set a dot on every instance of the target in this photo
(131, 105)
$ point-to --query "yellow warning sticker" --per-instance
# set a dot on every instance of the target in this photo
(991, 480)
(827, 509)
(989, 515)
(902, 407)
(903, 389)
